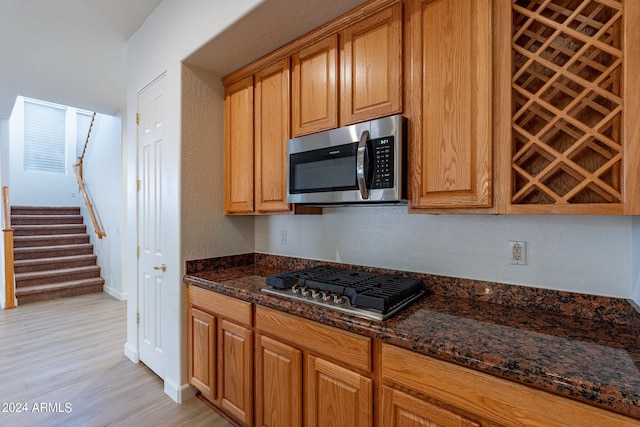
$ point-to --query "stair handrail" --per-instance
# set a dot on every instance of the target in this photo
(6, 207)
(86, 142)
(94, 219)
(9, 257)
(78, 169)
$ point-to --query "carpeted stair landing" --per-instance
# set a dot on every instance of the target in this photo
(53, 256)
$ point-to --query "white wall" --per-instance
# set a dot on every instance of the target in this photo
(4, 152)
(4, 180)
(175, 29)
(30, 188)
(587, 254)
(102, 174)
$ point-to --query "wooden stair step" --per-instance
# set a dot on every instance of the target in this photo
(52, 251)
(55, 276)
(58, 290)
(47, 229)
(46, 219)
(50, 240)
(45, 210)
(43, 264)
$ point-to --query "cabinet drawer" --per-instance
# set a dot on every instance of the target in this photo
(342, 346)
(221, 305)
(492, 398)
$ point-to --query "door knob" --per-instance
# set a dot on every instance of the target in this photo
(162, 267)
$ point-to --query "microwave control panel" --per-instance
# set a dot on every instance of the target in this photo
(383, 162)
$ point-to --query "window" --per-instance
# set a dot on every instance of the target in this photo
(83, 121)
(44, 138)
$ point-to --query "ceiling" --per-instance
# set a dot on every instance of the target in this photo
(270, 25)
(71, 52)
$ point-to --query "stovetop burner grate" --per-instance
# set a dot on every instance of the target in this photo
(367, 291)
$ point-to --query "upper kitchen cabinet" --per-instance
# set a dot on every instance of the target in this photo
(574, 137)
(272, 123)
(238, 146)
(371, 67)
(315, 87)
(449, 103)
(257, 124)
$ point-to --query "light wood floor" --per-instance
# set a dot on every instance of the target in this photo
(68, 355)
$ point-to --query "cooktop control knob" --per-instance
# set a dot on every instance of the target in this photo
(295, 289)
(326, 296)
(338, 299)
(304, 291)
(315, 294)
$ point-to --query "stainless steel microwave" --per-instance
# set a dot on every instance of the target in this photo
(359, 164)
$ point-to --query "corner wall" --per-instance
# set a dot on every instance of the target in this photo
(206, 231)
(102, 170)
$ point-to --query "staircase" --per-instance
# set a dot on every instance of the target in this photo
(53, 256)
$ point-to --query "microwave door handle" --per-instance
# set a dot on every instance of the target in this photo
(362, 182)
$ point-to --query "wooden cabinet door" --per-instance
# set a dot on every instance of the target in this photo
(278, 384)
(451, 147)
(403, 410)
(337, 396)
(272, 123)
(235, 373)
(238, 147)
(202, 351)
(315, 87)
(371, 64)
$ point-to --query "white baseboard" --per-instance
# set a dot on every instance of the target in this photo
(132, 353)
(120, 296)
(178, 393)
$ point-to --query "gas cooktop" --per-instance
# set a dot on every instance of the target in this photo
(369, 295)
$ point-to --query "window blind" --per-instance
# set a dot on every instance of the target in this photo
(44, 138)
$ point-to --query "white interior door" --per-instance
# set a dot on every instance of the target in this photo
(151, 141)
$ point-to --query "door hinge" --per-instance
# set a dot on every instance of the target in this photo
(138, 251)
(138, 185)
(138, 318)
(137, 118)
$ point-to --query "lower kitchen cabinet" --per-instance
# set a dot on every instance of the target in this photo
(235, 371)
(337, 396)
(202, 351)
(220, 340)
(278, 384)
(337, 391)
(420, 390)
(400, 409)
(307, 373)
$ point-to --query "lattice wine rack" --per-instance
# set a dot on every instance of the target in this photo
(567, 106)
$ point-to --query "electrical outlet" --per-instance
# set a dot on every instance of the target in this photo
(517, 253)
(283, 237)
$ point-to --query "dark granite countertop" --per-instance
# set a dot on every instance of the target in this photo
(575, 345)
